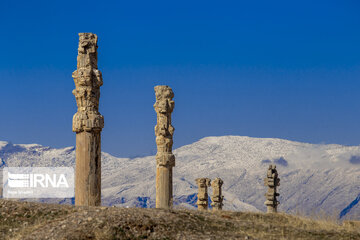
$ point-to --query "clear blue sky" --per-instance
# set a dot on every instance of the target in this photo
(285, 69)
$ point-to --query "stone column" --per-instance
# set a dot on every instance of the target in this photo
(217, 197)
(87, 123)
(165, 160)
(203, 184)
(272, 181)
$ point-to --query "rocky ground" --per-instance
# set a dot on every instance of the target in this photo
(29, 220)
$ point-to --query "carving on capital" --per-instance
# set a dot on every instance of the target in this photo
(88, 80)
(217, 197)
(203, 184)
(272, 181)
(164, 131)
(165, 159)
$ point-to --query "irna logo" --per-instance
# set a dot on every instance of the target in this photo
(37, 180)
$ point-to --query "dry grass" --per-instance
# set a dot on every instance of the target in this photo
(24, 220)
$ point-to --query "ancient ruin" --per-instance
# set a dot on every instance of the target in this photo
(203, 184)
(165, 159)
(272, 181)
(217, 197)
(87, 123)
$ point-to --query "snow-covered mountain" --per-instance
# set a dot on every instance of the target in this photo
(314, 177)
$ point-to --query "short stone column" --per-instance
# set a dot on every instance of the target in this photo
(165, 159)
(87, 123)
(217, 197)
(272, 181)
(203, 184)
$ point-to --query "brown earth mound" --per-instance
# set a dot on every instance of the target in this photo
(29, 220)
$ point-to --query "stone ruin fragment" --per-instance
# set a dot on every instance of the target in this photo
(217, 197)
(272, 181)
(203, 184)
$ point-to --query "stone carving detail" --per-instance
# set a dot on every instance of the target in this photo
(272, 181)
(164, 106)
(165, 160)
(217, 197)
(203, 184)
(87, 80)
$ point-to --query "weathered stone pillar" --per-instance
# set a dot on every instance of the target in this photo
(217, 197)
(272, 181)
(165, 160)
(87, 123)
(203, 184)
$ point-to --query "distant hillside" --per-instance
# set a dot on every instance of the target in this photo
(314, 177)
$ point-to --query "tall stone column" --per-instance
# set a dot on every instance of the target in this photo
(165, 159)
(203, 184)
(217, 197)
(87, 123)
(272, 181)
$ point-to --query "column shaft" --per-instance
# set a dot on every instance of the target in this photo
(88, 169)
(163, 187)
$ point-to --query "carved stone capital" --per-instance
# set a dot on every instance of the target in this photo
(87, 79)
(164, 131)
(87, 121)
(164, 103)
(165, 159)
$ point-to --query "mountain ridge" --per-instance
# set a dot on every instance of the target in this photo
(320, 177)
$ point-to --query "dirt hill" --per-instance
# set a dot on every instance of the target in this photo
(29, 220)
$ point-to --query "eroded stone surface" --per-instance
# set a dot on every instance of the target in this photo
(165, 160)
(272, 181)
(203, 184)
(87, 123)
(217, 197)
(87, 80)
